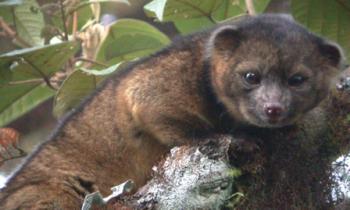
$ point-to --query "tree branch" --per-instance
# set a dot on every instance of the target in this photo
(63, 16)
(250, 7)
(207, 175)
(75, 23)
(296, 159)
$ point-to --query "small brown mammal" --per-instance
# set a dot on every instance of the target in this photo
(264, 71)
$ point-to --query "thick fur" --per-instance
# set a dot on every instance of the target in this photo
(186, 92)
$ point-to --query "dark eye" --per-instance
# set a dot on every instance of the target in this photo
(296, 80)
(252, 78)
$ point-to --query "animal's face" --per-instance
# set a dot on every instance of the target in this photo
(272, 71)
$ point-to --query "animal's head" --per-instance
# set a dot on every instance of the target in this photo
(268, 70)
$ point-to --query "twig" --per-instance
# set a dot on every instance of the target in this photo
(90, 61)
(14, 18)
(75, 23)
(12, 34)
(46, 79)
(64, 21)
(250, 7)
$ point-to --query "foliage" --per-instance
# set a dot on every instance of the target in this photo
(23, 74)
(330, 18)
(77, 86)
(134, 39)
(22, 86)
(193, 15)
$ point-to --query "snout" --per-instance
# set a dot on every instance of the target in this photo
(274, 112)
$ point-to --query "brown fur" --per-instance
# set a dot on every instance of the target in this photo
(184, 93)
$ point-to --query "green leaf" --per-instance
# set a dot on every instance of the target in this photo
(19, 99)
(181, 9)
(85, 3)
(193, 25)
(128, 39)
(79, 85)
(102, 72)
(229, 9)
(233, 8)
(330, 18)
(31, 63)
(261, 5)
(29, 22)
(109, 1)
(194, 15)
(6, 14)
(73, 90)
(7, 3)
(156, 9)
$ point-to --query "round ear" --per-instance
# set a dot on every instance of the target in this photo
(332, 52)
(223, 39)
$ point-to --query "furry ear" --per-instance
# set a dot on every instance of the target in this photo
(223, 39)
(332, 52)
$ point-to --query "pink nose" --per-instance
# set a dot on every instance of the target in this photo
(273, 111)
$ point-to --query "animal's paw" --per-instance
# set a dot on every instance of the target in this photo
(244, 145)
(246, 154)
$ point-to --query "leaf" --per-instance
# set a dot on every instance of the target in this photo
(187, 15)
(7, 3)
(232, 8)
(29, 22)
(6, 11)
(85, 16)
(193, 25)
(330, 18)
(6, 14)
(260, 5)
(73, 90)
(181, 9)
(102, 72)
(24, 64)
(193, 15)
(18, 100)
(79, 85)
(85, 3)
(156, 9)
(128, 39)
